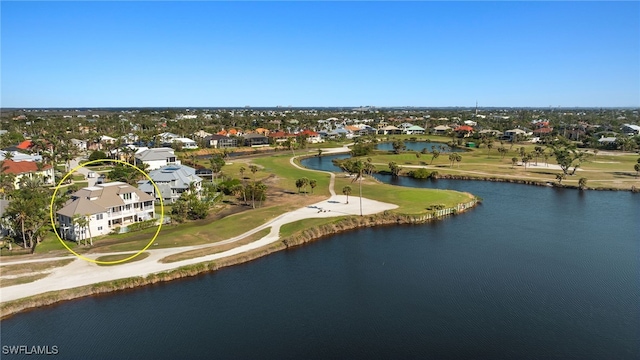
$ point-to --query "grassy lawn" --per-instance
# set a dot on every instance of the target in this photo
(21, 280)
(287, 174)
(215, 249)
(20, 269)
(105, 258)
(192, 233)
(300, 225)
(409, 200)
(51, 243)
(607, 171)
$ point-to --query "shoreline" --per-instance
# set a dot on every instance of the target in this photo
(526, 182)
(354, 222)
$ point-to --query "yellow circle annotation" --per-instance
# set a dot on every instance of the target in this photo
(53, 224)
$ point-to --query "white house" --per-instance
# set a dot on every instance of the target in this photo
(156, 158)
(630, 129)
(81, 145)
(511, 134)
(172, 181)
(413, 130)
(106, 207)
(107, 139)
(312, 136)
(186, 143)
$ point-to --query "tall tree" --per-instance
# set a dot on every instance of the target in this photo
(347, 190)
(434, 155)
(217, 162)
(313, 183)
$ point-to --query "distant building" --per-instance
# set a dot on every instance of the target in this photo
(220, 141)
(630, 129)
(28, 169)
(156, 158)
(255, 140)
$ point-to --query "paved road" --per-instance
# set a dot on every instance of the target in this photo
(83, 170)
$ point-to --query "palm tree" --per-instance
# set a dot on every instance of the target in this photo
(358, 168)
(254, 170)
(434, 155)
(299, 184)
(582, 183)
(347, 190)
(313, 183)
(242, 170)
(81, 223)
(503, 151)
(7, 183)
(560, 177)
(514, 161)
(458, 158)
(88, 222)
(21, 209)
(525, 160)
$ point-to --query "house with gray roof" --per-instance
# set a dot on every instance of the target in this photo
(172, 181)
(156, 158)
(631, 129)
(106, 206)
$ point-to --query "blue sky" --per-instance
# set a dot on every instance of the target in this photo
(129, 54)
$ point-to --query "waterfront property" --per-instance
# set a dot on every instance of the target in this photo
(106, 207)
(172, 181)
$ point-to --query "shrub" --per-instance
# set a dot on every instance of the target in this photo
(97, 155)
(420, 173)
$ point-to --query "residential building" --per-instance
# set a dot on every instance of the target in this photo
(28, 169)
(106, 207)
(510, 135)
(220, 141)
(156, 158)
(312, 136)
(413, 130)
(255, 140)
(172, 181)
(440, 130)
(630, 129)
(201, 134)
(186, 143)
(81, 145)
(389, 129)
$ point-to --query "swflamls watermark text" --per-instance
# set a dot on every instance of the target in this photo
(29, 350)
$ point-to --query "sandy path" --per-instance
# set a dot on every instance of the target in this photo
(80, 272)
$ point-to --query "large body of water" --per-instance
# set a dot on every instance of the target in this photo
(531, 273)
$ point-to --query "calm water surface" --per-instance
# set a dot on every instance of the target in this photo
(532, 273)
